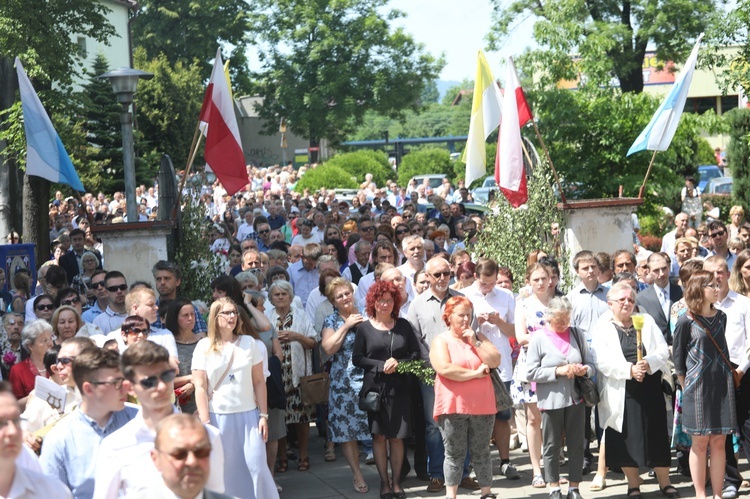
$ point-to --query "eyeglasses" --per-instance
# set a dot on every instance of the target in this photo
(712, 286)
(182, 454)
(367, 229)
(153, 381)
(137, 330)
(438, 275)
(71, 301)
(625, 301)
(16, 422)
(228, 313)
(97, 284)
(65, 360)
(45, 307)
(116, 383)
(115, 289)
(717, 234)
(266, 231)
(404, 231)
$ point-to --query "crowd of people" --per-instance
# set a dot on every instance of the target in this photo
(371, 291)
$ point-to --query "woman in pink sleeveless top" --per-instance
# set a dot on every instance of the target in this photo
(464, 398)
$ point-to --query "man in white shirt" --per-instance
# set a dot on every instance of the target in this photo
(667, 242)
(124, 465)
(494, 309)
(246, 229)
(737, 308)
(413, 247)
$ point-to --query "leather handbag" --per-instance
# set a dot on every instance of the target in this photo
(585, 387)
(503, 400)
(369, 402)
(313, 389)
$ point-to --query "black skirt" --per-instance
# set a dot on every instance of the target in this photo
(394, 418)
(644, 441)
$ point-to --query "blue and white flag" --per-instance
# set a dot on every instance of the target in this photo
(659, 133)
(46, 156)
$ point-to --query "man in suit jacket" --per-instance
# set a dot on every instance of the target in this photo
(658, 298)
(71, 260)
(359, 268)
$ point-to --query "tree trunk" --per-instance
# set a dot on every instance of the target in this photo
(36, 216)
(9, 194)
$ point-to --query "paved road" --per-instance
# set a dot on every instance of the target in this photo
(334, 480)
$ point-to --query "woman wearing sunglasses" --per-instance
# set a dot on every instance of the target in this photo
(134, 329)
(44, 307)
(230, 392)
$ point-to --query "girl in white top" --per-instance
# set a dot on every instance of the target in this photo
(230, 392)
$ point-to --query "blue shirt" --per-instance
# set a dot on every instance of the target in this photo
(303, 281)
(90, 314)
(71, 449)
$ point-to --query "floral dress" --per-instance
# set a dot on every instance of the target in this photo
(296, 411)
(346, 421)
(521, 391)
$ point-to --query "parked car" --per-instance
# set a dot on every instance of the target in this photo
(471, 208)
(706, 173)
(719, 185)
(482, 194)
(435, 179)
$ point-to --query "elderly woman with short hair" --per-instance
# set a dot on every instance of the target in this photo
(632, 409)
(36, 339)
(557, 354)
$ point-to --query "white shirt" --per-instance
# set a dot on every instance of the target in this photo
(244, 231)
(737, 308)
(364, 285)
(31, 485)
(125, 466)
(314, 238)
(501, 301)
(162, 337)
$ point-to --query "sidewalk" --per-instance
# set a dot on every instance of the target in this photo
(334, 480)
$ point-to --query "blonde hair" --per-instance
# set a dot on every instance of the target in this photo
(213, 318)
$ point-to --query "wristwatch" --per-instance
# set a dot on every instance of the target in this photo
(263, 415)
(477, 344)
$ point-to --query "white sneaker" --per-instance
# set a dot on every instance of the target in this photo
(514, 442)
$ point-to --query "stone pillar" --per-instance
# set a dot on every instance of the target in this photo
(133, 248)
(599, 225)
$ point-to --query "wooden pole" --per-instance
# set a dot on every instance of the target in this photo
(197, 137)
(650, 165)
(549, 160)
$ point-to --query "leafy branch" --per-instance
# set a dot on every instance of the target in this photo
(418, 368)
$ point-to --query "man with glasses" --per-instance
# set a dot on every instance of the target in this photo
(424, 315)
(361, 266)
(124, 466)
(366, 229)
(18, 481)
(115, 313)
(657, 299)
(719, 235)
(70, 448)
(181, 455)
(264, 236)
(101, 294)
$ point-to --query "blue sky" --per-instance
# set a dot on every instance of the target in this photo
(457, 29)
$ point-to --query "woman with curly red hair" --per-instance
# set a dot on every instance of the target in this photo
(380, 345)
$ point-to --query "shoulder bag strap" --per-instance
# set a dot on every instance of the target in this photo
(226, 371)
(574, 334)
(710, 336)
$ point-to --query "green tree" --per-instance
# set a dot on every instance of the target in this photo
(738, 153)
(325, 175)
(609, 37)
(360, 163)
(727, 47)
(427, 160)
(189, 31)
(326, 63)
(430, 94)
(168, 106)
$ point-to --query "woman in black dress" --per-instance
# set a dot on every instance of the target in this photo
(708, 405)
(380, 345)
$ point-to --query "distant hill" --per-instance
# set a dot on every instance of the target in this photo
(444, 85)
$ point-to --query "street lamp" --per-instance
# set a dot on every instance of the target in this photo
(124, 83)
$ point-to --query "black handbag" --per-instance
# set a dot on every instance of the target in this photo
(275, 385)
(369, 402)
(585, 387)
(503, 400)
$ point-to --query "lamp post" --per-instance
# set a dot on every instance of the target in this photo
(124, 83)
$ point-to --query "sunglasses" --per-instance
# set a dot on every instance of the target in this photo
(438, 275)
(182, 454)
(45, 307)
(717, 234)
(404, 231)
(266, 231)
(367, 229)
(153, 381)
(115, 289)
(65, 360)
(98, 284)
(116, 383)
(137, 330)
(71, 301)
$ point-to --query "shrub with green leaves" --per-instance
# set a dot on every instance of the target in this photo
(360, 163)
(738, 155)
(509, 234)
(425, 161)
(325, 175)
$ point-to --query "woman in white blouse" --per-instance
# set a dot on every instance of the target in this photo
(230, 392)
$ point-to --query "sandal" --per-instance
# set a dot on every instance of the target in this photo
(330, 455)
(282, 466)
(362, 489)
(304, 464)
(598, 483)
(538, 482)
(637, 494)
(670, 492)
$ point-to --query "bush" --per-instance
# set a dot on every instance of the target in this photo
(426, 161)
(738, 155)
(360, 163)
(652, 243)
(325, 175)
(724, 203)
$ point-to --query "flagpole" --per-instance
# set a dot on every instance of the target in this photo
(197, 136)
(643, 187)
(549, 160)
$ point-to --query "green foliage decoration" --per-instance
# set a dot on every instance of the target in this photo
(363, 161)
(425, 161)
(509, 234)
(325, 175)
(418, 368)
(738, 154)
(199, 266)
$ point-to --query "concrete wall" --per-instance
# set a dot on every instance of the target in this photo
(134, 248)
